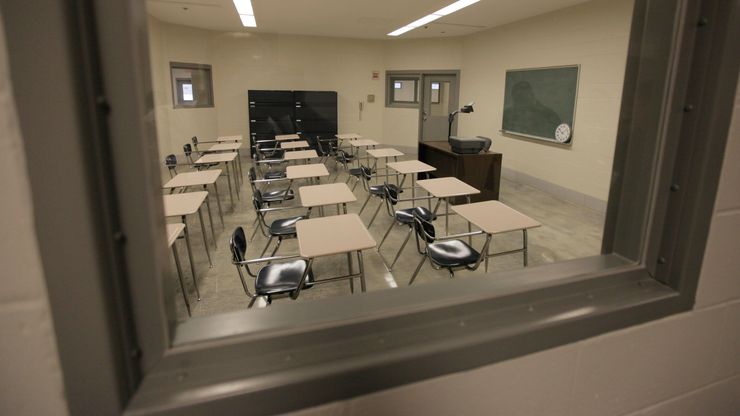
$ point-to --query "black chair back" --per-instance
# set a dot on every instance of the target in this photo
(187, 149)
(367, 173)
(194, 139)
(424, 229)
(170, 161)
(391, 193)
(342, 157)
(238, 245)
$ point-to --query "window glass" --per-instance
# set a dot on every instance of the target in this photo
(405, 91)
(192, 85)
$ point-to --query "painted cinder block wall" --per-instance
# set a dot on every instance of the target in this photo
(687, 364)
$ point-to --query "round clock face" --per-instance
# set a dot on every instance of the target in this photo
(562, 133)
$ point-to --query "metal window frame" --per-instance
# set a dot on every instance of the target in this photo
(119, 348)
(175, 94)
(391, 77)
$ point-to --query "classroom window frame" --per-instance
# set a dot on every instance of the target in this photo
(391, 77)
(119, 348)
(177, 101)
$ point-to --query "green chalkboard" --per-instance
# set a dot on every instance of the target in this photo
(537, 101)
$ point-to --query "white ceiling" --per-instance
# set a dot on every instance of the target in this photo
(366, 19)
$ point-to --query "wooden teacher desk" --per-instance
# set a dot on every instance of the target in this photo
(481, 171)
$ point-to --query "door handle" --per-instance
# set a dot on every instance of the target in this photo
(423, 116)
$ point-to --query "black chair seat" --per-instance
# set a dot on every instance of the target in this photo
(355, 172)
(277, 195)
(406, 216)
(453, 253)
(285, 226)
(379, 190)
(277, 278)
(275, 174)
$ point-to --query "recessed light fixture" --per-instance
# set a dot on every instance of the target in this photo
(452, 8)
(246, 12)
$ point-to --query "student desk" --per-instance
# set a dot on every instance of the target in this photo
(327, 194)
(300, 144)
(337, 234)
(199, 178)
(357, 144)
(225, 158)
(411, 167)
(346, 136)
(287, 137)
(385, 154)
(173, 233)
(228, 147)
(444, 189)
(300, 155)
(182, 205)
(494, 217)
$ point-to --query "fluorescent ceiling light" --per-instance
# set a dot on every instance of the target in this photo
(246, 12)
(424, 20)
(244, 7)
(248, 21)
(452, 8)
(400, 31)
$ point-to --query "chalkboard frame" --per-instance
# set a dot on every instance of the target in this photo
(575, 105)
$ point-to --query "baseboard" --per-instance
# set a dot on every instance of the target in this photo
(557, 191)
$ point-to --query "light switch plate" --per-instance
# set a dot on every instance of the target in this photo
(371, 98)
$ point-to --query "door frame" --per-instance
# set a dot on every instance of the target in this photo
(422, 77)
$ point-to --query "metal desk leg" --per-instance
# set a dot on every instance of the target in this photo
(210, 219)
(470, 238)
(205, 237)
(190, 254)
(447, 216)
(525, 254)
(488, 250)
(362, 270)
(228, 179)
(218, 202)
(179, 277)
(236, 181)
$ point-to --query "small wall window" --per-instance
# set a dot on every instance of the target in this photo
(402, 90)
(192, 85)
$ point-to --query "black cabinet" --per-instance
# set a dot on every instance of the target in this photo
(312, 114)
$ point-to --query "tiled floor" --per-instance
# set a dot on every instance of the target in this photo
(568, 232)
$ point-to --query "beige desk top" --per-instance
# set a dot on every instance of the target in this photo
(363, 142)
(234, 138)
(177, 205)
(216, 158)
(332, 235)
(410, 166)
(329, 194)
(203, 177)
(294, 145)
(447, 187)
(494, 217)
(378, 153)
(306, 171)
(347, 136)
(300, 154)
(281, 137)
(223, 147)
(174, 231)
